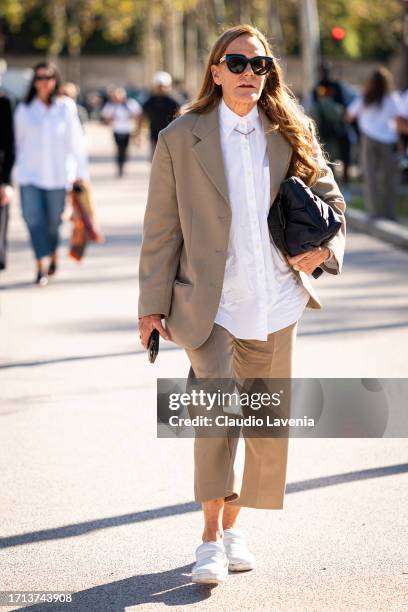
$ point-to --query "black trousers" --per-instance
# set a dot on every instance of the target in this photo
(4, 217)
(122, 143)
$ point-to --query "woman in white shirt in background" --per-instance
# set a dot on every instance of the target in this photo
(50, 158)
(120, 113)
(376, 111)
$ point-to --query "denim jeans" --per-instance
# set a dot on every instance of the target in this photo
(42, 211)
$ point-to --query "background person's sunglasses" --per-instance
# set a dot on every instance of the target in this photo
(261, 64)
(44, 77)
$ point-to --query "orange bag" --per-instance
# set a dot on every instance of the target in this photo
(84, 228)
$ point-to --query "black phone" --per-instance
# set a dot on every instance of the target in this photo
(153, 345)
(317, 272)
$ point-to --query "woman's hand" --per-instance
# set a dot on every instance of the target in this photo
(6, 193)
(310, 260)
(147, 324)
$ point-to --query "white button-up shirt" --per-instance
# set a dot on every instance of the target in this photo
(50, 144)
(261, 294)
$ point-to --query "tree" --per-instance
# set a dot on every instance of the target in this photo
(373, 28)
(12, 14)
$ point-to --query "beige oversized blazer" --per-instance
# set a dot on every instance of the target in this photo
(187, 222)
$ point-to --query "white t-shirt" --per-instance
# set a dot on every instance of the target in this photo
(121, 115)
(378, 121)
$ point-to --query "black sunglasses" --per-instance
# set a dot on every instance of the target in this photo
(44, 77)
(236, 62)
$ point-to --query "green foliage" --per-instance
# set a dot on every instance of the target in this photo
(15, 11)
(373, 27)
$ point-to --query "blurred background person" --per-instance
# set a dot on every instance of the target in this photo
(50, 158)
(329, 102)
(93, 102)
(72, 91)
(6, 164)
(402, 127)
(180, 91)
(376, 111)
(120, 112)
(159, 109)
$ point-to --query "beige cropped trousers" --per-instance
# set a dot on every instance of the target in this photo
(248, 471)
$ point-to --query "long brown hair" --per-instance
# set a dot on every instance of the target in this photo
(377, 86)
(277, 100)
(32, 92)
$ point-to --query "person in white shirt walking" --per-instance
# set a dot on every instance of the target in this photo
(50, 158)
(376, 111)
(120, 112)
(209, 268)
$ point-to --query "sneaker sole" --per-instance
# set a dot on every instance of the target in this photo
(241, 567)
(208, 579)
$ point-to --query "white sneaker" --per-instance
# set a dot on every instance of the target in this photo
(212, 563)
(239, 557)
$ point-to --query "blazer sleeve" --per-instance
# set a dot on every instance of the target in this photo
(162, 236)
(327, 189)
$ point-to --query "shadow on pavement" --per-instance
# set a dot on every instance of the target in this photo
(78, 529)
(172, 588)
(30, 364)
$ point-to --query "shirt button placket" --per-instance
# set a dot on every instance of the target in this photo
(256, 238)
(259, 259)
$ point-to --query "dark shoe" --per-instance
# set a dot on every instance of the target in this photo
(52, 268)
(41, 279)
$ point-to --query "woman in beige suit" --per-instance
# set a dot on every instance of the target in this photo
(209, 269)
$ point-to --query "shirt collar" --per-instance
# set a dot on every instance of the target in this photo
(229, 120)
(39, 104)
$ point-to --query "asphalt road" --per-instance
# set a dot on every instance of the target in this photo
(93, 503)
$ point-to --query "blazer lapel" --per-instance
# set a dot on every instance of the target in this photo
(209, 153)
(208, 150)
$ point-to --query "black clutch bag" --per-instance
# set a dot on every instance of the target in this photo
(299, 220)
